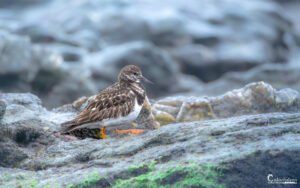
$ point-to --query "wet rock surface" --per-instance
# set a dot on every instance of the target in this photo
(81, 51)
(244, 130)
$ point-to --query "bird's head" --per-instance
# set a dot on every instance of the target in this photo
(131, 74)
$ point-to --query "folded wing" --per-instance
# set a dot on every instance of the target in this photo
(104, 106)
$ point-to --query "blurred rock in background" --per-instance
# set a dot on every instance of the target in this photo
(61, 50)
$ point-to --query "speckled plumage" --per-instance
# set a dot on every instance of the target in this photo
(117, 104)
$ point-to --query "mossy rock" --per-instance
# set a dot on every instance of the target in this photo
(92, 180)
(180, 176)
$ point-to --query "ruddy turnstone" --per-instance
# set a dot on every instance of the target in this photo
(118, 104)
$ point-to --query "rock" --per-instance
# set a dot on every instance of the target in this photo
(69, 54)
(36, 69)
(82, 39)
(254, 98)
(207, 65)
(290, 7)
(158, 27)
(276, 75)
(276, 161)
(10, 155)
(55, 83)
(27, 100)
(68, 90)
(218, 52)
(191, 35)
(18, 3)
(21, 128)
(15, 58)
(84, 157)
(176, 47)
(26, 67)
(233, 136)
(20, 107)
(2, 109)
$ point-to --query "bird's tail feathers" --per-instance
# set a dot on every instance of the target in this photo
(67, 126)
(73, 125)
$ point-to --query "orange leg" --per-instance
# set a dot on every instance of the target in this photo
(130, 131)
(103, 135)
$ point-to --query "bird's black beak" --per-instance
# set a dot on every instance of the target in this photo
(146, 80)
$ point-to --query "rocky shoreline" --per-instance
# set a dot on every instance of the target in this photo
(254, 123)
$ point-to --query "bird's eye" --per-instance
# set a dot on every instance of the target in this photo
(135, 73)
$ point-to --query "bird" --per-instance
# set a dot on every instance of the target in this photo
(118, 104)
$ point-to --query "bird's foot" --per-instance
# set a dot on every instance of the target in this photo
(129, 131)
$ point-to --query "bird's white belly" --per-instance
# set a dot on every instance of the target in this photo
(125, 119)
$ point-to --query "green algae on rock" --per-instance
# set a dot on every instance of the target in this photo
(190, 175)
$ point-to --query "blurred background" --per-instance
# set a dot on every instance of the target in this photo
(61, 50)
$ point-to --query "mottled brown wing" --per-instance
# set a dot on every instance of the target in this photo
(108, 104)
